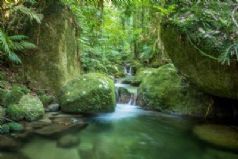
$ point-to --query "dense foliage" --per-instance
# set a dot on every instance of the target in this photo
(117, 32)
(209, 25)
(14, 15)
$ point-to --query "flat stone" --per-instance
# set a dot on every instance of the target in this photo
(219, 135)
(8, 143)
(59, 125)
(12, 156)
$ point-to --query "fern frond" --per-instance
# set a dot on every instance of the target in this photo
(23, 45)
(33, 15)
(18, 37)
(14, 58)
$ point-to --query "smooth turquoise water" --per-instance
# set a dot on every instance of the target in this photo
(129, 133)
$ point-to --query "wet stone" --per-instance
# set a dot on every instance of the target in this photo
(8, 143)
(68, 141)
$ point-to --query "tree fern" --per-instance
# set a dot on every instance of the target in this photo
(29, 12)
(11, 45)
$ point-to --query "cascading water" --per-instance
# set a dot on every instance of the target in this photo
(126, 93)
(128, 70)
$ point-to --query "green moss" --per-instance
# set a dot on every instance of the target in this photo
(52, 65)
(219, 135)
(90, 93)
(209, 75)
(142, 73)
(45, 97)
(15, 112)
(15, 127)
(165, 90)
(13, 95)
(29, 107)
(4, 129)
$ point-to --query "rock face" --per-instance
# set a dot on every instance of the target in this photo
(209, 75)
(219, 135)
(89, 93)
(165, 90)
(56, 59)
(29, 107)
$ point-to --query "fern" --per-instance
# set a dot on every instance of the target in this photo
(33, 15)
(229, 54)
(11, 45)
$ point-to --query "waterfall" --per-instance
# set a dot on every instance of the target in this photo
(126, 93)
(128, 70)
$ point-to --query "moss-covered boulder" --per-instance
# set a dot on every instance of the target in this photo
(209, 75)
(166, 91)
(29, 108)
(56, 59)
(142, 73)
(14, 94)
(89, 93)
(219, 135)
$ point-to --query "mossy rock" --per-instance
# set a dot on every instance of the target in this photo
(50, 66)
(29, 108)
(88, 93)
(218, 135)
(4, 129)
(131, 80)
(15, 127)
(142, 73)
(166, 91)
(45, 97)
(115, 70)
(13, 95)
(209, 75)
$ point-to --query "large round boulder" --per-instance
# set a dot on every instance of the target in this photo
(89, 93)
(29, 108)
(207, 74)
(166, 91)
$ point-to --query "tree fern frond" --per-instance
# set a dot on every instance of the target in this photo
(5, 43)
(18, 37)
(14, 58)
(23, 45)
(33, 15)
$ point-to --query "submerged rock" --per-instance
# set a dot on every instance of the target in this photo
(166, 91)
(123, 95)
(29, 108)
(8, 143)
(58, 125)
(219, 135)
(68, 141)
(8, 155)
(89, 93)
